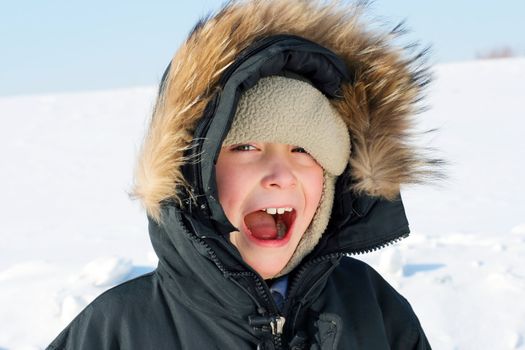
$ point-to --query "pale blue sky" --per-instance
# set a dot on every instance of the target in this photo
(58, 45)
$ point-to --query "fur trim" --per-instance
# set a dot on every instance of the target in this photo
(377, 108)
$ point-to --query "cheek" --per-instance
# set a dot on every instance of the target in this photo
(313, 181)
(230, 186)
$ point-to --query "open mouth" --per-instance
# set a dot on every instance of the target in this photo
(270, 224)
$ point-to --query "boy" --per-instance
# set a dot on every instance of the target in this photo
(277, 147)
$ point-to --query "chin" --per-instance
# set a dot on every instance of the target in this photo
(266, 264)
(267, 273)
(260, 263)
(266, 258)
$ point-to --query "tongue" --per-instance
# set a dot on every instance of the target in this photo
(261, 225)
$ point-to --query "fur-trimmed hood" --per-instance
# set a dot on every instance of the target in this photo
(377, 102)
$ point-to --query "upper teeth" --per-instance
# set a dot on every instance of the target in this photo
(274, 211)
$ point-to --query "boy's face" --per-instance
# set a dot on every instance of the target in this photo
(255, 176)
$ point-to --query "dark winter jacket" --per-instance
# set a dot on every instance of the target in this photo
(202, 295)
(199, 299)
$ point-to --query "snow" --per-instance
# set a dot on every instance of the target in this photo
(69, 230)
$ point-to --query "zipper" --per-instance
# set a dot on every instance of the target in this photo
(276, 322)
(298, 276)
(336, 255)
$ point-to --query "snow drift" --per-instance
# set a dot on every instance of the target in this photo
(69, 230)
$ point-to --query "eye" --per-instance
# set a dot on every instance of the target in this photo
(243, 148)
(299, 150)
(303, 156)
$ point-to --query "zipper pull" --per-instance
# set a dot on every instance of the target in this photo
(277, 325)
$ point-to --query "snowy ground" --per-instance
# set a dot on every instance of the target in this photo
(69, 231)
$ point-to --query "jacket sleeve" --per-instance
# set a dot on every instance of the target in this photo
(91, 329)
(419, 342)
(378, 315)
(415, 337)
(422, 342)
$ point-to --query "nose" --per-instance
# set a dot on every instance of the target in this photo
(279, 174)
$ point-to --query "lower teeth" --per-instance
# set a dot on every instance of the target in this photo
(281, 229)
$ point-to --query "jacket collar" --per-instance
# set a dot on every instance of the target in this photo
(190, 251)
